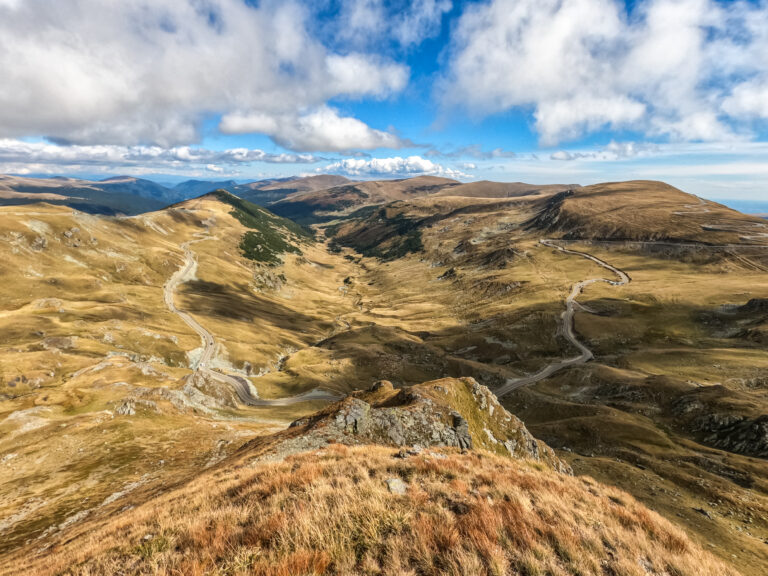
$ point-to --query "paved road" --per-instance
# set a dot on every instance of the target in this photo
(585, 354)
(245, 391)
(571, 303)
(182, 275)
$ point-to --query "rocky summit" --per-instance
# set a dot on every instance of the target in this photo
(449, 412)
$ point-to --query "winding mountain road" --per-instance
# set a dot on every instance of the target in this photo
(241, 385)
(182, 275)
(702, 207)
(585, 354)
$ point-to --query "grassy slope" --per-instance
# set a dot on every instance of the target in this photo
(494, 318)
(85, 329)
(642, 210)
(269, 236)
(331, 512)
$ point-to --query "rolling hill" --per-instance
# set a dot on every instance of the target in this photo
(127, 195)
(123, 195)
(370, 508)
(325, 205)
(487, 189)
(201, 388)
(645, 211)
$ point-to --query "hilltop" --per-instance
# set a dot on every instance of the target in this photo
(343, 510)
(322, 205)
(151, 353)
(488, 189)
(643, 211)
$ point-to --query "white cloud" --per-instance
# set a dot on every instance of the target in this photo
(421, 20)
(568, 119)
(395, 166)
(322, 129)
(137, 72)
(748, 99)
(474, 151)
(359, 75)
(680, 69)
(365, 22)
(46, 157)
(613, 151)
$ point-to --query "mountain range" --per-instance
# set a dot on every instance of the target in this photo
(305, 198)
(386, 377)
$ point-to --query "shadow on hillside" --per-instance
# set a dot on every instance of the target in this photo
(240, 304)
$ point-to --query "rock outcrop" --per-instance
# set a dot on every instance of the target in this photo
(724, 419)
(449, 412)
(736, 433)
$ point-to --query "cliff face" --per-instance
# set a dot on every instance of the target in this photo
(449, 412)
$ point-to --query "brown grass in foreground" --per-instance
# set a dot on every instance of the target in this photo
(330, 512)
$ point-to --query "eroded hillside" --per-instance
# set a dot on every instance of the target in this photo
(139, 350)
(372, 508)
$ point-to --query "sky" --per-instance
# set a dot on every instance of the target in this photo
(543, 91)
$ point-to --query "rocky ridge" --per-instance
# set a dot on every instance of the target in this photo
(449, 412)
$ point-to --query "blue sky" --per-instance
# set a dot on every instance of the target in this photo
(569, 91)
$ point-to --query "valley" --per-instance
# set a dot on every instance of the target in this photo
(376, 288)
(139, 350)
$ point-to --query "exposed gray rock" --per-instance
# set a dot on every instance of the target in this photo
(396, 486)
(456, 413)
(126, 409)
(130, 406)
(461, 426)
(728, 431)
(39, 243)
(382, 385)
(737, 434)
(60, 342)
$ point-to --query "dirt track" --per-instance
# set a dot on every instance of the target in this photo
(245, 391)
(585, 354)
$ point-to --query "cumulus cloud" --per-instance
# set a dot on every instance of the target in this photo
(748, 99)
(613, 151)
(322, 129)
(474, 151)
(136, 72)
(395, 166)
(679, 69)
(364, 22)
(16, 154)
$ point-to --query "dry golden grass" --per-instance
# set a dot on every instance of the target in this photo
(352, 321)
(330, 512)
(84, 327)
(649, 210)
